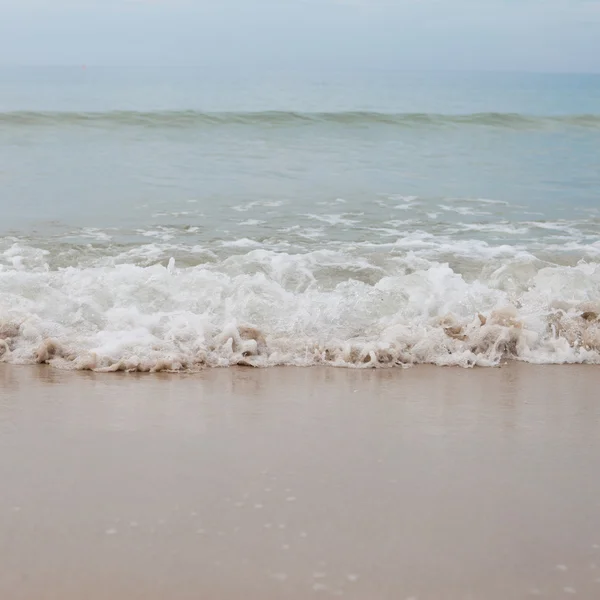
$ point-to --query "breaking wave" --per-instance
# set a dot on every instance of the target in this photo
(266, 308)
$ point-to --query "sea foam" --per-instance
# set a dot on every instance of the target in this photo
(265, 308)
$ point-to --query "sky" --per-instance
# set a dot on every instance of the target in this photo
(488, 35)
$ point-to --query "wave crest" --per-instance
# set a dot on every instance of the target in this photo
(198, 119)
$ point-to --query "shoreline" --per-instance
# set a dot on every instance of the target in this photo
(503, 364)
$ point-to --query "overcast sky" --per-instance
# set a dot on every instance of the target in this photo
(523, 35)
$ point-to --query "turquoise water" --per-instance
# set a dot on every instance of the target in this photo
(327, 189)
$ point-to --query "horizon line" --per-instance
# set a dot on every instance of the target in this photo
(86, 66)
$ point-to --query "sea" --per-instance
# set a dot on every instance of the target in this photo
(177, 219)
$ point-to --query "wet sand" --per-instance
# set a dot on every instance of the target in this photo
(424, 483)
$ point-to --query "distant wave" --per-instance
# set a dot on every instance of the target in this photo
(193, 118)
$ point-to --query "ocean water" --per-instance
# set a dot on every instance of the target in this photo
(181, 219)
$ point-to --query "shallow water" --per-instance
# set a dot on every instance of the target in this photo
(177, 219)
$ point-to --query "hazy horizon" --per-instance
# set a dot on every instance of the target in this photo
(266, 69)
(558, 36)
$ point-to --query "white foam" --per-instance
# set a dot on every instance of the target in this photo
(311, 233)
(484, 201)
(241, 243)
(386, 232)
(406, 207)
(332, 219)
(161, 233)
(355, 306)
(500, 227)
(96, 234)
(463, 210)
(402, 198)
(251, 223)
(177, 214)
(400, 222)
(258, 204)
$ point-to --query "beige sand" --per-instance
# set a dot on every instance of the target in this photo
(425, 483)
